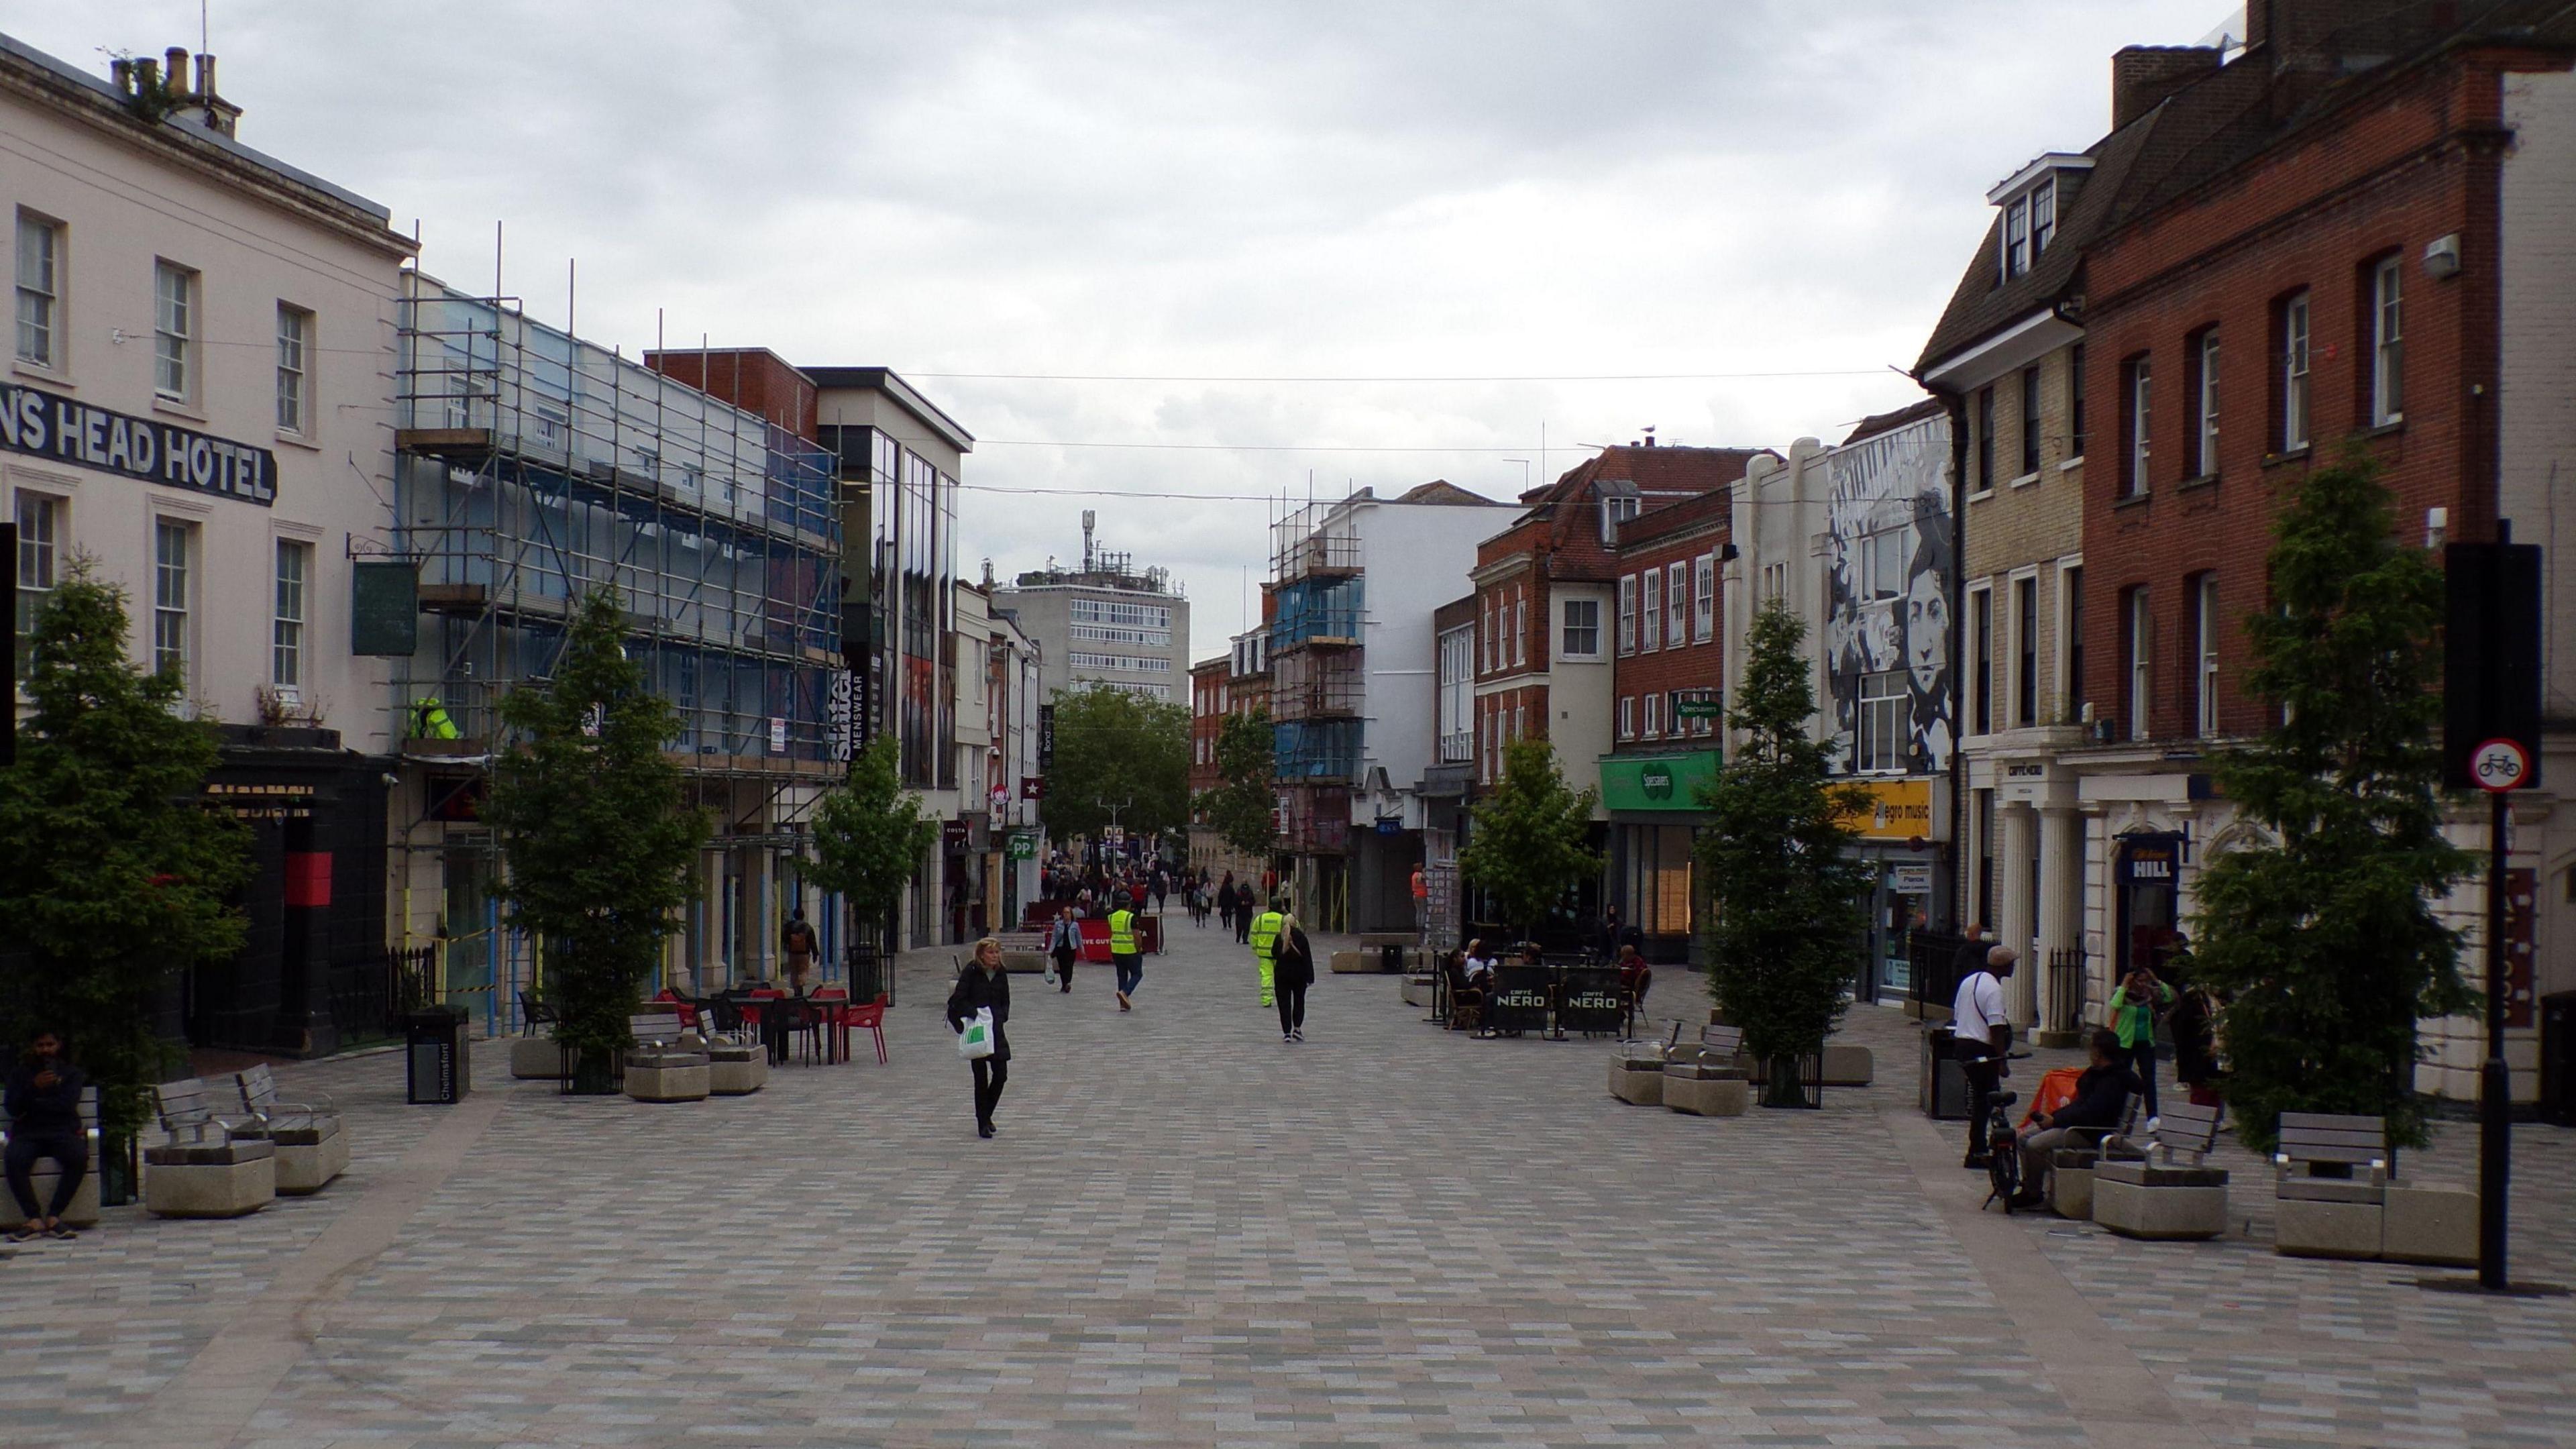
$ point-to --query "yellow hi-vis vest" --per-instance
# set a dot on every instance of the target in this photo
(1265, 935)
(1122, 933)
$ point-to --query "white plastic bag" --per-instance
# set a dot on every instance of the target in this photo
(1050, 975)
(975, 1039)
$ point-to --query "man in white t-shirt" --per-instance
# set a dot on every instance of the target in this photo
(1983, 1031)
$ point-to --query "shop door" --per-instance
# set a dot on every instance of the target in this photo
(2149, 893)
(467, 919)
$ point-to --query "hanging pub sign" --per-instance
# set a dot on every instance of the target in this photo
(46, 425)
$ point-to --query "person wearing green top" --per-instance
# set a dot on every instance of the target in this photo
(2133, 1015)
(1266, 929)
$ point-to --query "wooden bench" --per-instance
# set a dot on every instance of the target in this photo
(667, 1062)
(2330, 1185)
(2157, 1196)
(1708, 1080)
(312, 1148)
(82, 1212)
(218, 1171)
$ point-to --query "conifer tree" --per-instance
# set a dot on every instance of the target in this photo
(1530, 841)
(114, 873)
(1786, 918)
(593, 830)
(2324, 941)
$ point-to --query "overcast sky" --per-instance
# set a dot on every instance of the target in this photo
(1200, 191)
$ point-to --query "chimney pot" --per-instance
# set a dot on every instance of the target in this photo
(176, 58)
(206, 76)
(147, 74)
(121, 71)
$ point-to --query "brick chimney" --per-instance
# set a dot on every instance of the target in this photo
(2292, 33)
(2143, 75)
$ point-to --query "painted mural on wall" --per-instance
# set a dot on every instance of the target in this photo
(1891, 574)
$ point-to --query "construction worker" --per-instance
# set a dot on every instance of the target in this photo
(429, 720)
(1266, 929)
(1123, 953)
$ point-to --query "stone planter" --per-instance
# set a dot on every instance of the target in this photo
(2430, 1225)
(1416, 991)
(309, 1157)
(536, 1059)
(736, 1070)
(1353, 963)
(1637, 1086)
(2137, 1200)
(83, 1212)
(668, 1079)
(229, 1181)
(2310, 1228)
(1708, 1096)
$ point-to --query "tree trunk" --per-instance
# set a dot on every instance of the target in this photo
(1780, 1085)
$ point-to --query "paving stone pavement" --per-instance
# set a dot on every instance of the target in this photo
(1189, 1233)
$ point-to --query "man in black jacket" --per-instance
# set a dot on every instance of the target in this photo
(2101, 1100)
(981, 985)
(43, 1098)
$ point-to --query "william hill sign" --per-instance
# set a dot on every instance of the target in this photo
(41, 424)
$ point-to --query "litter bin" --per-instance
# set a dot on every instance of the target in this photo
(1943, 1091)
(2558, 1058)
(1390, 959)
(434, 1042)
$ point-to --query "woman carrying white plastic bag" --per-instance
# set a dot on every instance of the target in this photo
(978, 1007)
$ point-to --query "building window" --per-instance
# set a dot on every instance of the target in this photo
(2387, 344)
(1775, 581)
(1582, 629)
(2205, 631)
(1458, 696)
(2203, 387)
(173, 551)
(294, 330)
(2137, 392)
(1676, 617)
(40, 290)
(2016, 238)
(1492, 637)
(1981, 661)
(2071, 624)
(2043, 217)
(1985, 441)
(1650, 630)
(286, 651)
(1654, 715)
(2025, 652)
(1520, 631)
(2029, 421)
(40, 542)
(1618, 508)
(1704, 598)
(2294, 373)
(1628, 614)
(2137, 638)
(2075, 401)
(174, 320)
(1880, 749)
(1882, 561)
(1627, 716)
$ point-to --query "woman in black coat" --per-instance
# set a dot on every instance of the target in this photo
(985, 984)
(1292, 970)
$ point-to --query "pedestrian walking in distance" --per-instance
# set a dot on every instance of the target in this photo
(1225, 902)
(1064, 943)
(1292, 970)
(984, 985)
(1263, 935)
(797, 939)
(43, 1097)
(1243, 912)
(1123, 953)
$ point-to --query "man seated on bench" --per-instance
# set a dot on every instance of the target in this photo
(45, 1122)
(2101, 1097)
(1634, 977)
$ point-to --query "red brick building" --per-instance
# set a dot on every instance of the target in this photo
(2308, 255)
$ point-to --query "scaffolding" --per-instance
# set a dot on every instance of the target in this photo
(534, 468)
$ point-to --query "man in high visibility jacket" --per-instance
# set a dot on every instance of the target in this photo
(1123, 953)
(1265, 948)
(430, 721)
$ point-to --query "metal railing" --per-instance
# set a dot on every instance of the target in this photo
(2066, 989)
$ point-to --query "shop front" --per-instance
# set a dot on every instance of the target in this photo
(1898, 839)
(1655, 817)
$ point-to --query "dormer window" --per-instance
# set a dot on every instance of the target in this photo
(2016, 238)
(2029, 201)
(1620, 501)
(2043, 216)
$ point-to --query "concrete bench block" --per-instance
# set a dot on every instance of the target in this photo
(536, 1059)
(1639, 1088)
(83, 1211)
(1351, 963)
(1417, 991)
(668, 1084)
(738, 1072)
(2430, 1225)
(308, 1167)
(210, 1189)
(2135, 1210)
(2070, 1193)
(1708, 1096)
(1848, 1066)
(2308, 1229)
(1028, 963)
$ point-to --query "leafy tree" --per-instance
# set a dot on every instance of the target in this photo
(869, 836)
(2326, 945)
(1786, 893)
(1241, 808)
(1120, 759)
(1529, 846)
(592, 827)
(114, 875)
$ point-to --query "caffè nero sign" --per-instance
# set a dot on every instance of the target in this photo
(46, 425)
